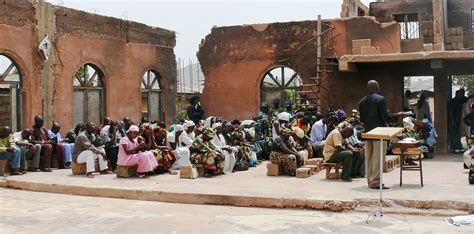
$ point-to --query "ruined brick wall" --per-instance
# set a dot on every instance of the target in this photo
(123, 51)
(18, 42)
(234, 60)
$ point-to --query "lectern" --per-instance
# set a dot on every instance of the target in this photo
(381, 134)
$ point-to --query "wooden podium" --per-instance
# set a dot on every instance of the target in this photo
(381, 134)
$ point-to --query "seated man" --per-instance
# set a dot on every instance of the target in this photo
(67, 148)
(319, 131)
(284, 154)
(335, 150)
(110, 137)
(40, 136)
(29, 151)
(9, 150)
(86, 152)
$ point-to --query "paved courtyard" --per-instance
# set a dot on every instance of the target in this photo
(445, 183)
(36, 212)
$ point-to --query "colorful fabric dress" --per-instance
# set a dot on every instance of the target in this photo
(288, 162)
(207, 154)
(146, 161)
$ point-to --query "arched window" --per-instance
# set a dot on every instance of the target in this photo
(10, 94)
(151, 95)
(87, 103)
(279, 83)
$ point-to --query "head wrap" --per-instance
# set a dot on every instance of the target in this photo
(216, 125)
(285, 116)
(188, 124)
(178, 128)
(408, 124)
(298, 132)
(250, 131)
(133, 128)
(208, 132)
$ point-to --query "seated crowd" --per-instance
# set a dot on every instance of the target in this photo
(285, 138)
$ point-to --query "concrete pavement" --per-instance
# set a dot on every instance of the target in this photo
(36, 212)
(446, 187)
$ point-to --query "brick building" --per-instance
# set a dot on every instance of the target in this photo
(329, 61)
(72, 66)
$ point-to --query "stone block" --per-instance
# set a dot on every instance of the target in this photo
(369, 50)
(455, 39)
(126, 172)
(303, 172)
(188, 172)
(428, 40)
(273, 169)
(427, 24)
(449, 46)
(459, 31)
(315, 161)
(425, 32)
(81, 168)
(428, 47)
(454, 46)
(356, 50)
(391, 162)
(460, 46)
(313, 168)
(452, 31)
(361, 42)
(430, 32)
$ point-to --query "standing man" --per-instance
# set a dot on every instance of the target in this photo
(454, 120)
(195, 111)
(373, 114)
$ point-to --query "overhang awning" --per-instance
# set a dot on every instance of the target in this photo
(347, 62)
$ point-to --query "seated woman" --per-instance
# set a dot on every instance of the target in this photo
(229, 152)
(284, 154)
(155, 138)
(182, 153)
(204, 152)
(130, 153)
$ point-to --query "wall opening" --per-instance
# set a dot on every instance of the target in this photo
(10, 94)
(151, 96)
(418, 85)
(409, 25)
(279, 83)
(88, 95)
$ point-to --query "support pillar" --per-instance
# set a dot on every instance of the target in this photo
(441, 92)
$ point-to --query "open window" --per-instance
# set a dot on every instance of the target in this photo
(409, 25)
(151, 95)
(10, 94)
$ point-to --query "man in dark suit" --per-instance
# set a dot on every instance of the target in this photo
(373, 114)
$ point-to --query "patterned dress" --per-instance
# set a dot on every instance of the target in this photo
(205, 153)
(288, 162)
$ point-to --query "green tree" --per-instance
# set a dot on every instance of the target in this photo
(466, 82)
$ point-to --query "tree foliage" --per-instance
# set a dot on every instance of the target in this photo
(466, 82)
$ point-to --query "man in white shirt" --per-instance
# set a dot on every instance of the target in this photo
(319, 131)
(29, 151)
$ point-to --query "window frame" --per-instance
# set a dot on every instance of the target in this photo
(404, 34)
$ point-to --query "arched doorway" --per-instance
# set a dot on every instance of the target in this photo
(88, 96)
(280, 83)
(151, 95)
(10, 94)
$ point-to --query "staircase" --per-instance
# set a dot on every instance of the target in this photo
(311, 88)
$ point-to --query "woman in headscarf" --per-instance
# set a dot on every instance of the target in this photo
(132, 153)
(228, 151)
(423, 108)
(284, 154)
(204, 152)
(182, 152)
(165, 155)
(186, 139)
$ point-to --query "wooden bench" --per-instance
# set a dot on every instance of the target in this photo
(329, 166)
(126, 171)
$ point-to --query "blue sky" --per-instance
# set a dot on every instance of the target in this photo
(193, 20)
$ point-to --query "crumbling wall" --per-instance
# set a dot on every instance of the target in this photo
(18, 42)
(459, 15)
(123, 50)
(234, 60)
